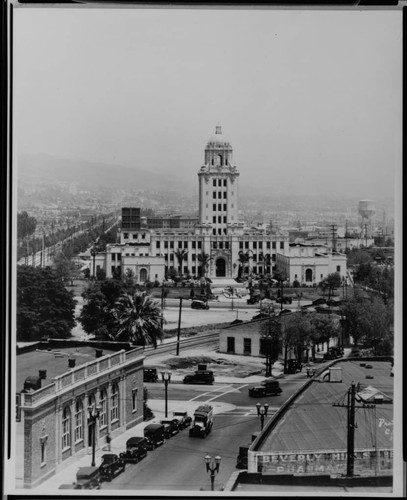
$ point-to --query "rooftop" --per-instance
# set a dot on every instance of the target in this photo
(311, 422)
(54, 360)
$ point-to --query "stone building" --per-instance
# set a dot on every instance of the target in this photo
(150, 250)
(53, 421)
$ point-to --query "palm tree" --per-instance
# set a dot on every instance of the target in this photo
(204, 260)
(243, 259)
(180, 255)
(266, 259)
(138, 319)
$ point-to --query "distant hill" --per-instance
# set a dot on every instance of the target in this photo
(44, 169)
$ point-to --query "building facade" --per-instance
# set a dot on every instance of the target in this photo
(310, 264)
(212, 245)
(54, 421)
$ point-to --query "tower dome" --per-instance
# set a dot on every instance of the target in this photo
(218, 139)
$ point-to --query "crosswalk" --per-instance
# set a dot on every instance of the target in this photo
(246, 411)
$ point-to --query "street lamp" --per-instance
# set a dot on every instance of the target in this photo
(92, 417)
(166, 377)
(212, 467)
(93, 253)
(262, 412)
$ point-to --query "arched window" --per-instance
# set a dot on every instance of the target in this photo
(66, 428)
(78, 421)
(114, 403)
(143, 275)
(308, 275)
(103, 408)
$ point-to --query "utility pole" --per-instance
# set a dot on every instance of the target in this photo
(333, 226)
(179, 324)
(351, 426)
(366, 235)
(346, 234)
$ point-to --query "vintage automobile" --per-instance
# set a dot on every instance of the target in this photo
(155, 434)
(136, 449)
(184, 420)
(293, 366)
(267, 388)
(87, 478)
(150, 375)
(171, 427)
(112, 465)
(199, 304)
(200, 377)
(333, 353)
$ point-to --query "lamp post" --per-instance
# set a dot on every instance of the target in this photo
(93, 253)
(212, 467)
(92, 417)
(166, 377)
(262, 412)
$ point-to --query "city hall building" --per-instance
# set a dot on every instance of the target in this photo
(149, 247)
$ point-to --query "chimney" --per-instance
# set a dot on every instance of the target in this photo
(71, 362)
(99, 353)
(43, 374)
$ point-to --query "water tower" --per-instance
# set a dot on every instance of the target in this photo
(366, 211)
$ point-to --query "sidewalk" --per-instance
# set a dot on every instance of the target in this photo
(68, 469)
(66, 473)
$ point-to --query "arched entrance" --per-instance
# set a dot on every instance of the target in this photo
(308, 275)
(220, 268)
(143, 275)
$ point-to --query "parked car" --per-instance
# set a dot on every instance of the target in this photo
(150, 375)
(87, 478)
(184, 420)
(155, 434)
(267, 388)
(136, 449)
(112, 465)
(199, 304)
(293, 366)
(333, 353)
(200, 377)
(171, 427)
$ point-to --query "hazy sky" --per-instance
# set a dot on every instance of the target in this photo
(310, 100)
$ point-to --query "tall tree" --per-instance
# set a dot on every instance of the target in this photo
(180, 255)
(98, 313)
(139, 319)
(204, 260)
(44, 306)
(243, 259)
(331, 282)
(26, 224)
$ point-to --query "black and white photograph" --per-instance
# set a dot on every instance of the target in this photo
(205, 250)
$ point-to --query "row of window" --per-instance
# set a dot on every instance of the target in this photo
(220, 181)
(219, 219)
(219, 194)
(134, 235)
(79, 415)
(259, 245)
(219, 207)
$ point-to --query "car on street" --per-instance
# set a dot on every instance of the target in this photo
(155, 434)
(184, 420)
(112, 465)
(334, 353)
(171, 427)
(87, 478)
(200, 377)
(150, 375)
(136, 449)
(267, 388)
(199, 304)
